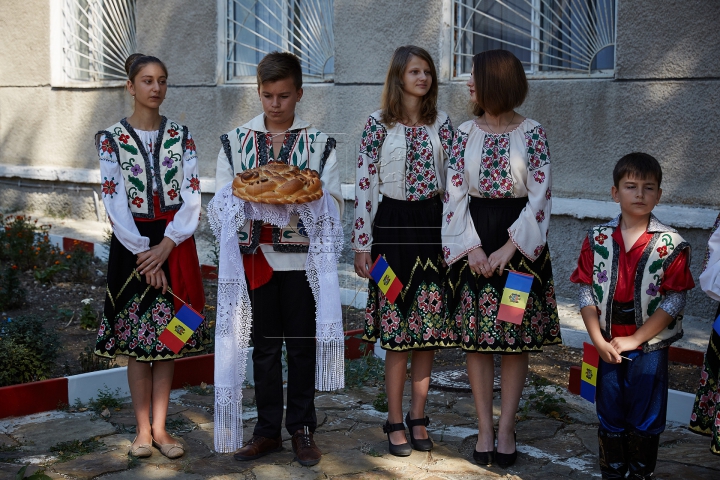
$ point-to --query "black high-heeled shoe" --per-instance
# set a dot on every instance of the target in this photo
(485, 458)
(420, 444)
(505, 460)
(401, 450)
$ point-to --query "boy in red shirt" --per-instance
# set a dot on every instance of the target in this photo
(634, 275)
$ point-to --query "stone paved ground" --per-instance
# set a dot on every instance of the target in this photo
(350, 436)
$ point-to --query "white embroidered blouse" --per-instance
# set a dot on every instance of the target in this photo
(403, 163)
(710, 277)
(510, 165)
(187, 217)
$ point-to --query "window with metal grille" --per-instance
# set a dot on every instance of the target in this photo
(554, 38)
(96, 36)
(258, 27)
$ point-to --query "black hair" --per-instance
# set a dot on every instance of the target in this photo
(639, 165)
(135, 62)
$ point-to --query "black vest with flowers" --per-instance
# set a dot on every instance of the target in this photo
(137, 164)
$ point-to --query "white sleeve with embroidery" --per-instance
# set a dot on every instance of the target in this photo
(224, 173)
(529, 232)
(188, 215)
(116, 203)
(367, 187)
(458, 230)
(330, 179)
(710, 277)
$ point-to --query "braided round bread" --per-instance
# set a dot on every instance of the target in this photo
(278, 183)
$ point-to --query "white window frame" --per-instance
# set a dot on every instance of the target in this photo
(60, 58)
(451, 65)
(224, 51)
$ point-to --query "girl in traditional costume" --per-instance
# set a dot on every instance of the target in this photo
(705, 418)
(496, 215)
(151, 191)
(403, 156)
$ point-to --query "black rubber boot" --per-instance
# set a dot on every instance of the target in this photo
(642, 452)
(613, 459)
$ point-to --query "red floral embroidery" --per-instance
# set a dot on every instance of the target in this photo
(372, 170)
(540, 216)
(137, 201)
(124, 138)
(352, 237)
(108, 187)
(368, 206)
(538, 250)
(172, 132)
(359, 223)
(446, 252)
(195, 184)
(662, 251)
(420, 175)
(457, 180)
(190, 144)
(539, 176)
(363, 239)
(449, 217)
(364, 183)
(356, 202)
(360, 162)
(495, 176)
(106, 147)
(171, 193)
(600, 238)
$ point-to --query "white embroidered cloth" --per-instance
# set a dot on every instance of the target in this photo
(321, 219)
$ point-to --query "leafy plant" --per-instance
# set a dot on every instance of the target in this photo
(380, 403)
(75, 448)
(12, 295)
(106, 399)
(27, 351)
(79, 263)
(367, 369)
(544, 399)
(39, 475)
(89, 362)
(47, 275)
(202, 389)
(88, 316)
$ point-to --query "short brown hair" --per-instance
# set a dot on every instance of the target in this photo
(279, 66)
(500, 82)
(391, 103)
(639, 165)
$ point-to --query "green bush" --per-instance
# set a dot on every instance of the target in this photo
(27, 350)
(12, 295)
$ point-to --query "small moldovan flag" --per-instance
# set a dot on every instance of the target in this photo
(588, 374)
(180, 328)
(515, 297)
(385, 278)
(716, 325)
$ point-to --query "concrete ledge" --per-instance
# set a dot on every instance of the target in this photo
(85, 386)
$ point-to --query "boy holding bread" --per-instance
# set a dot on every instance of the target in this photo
(283, 306)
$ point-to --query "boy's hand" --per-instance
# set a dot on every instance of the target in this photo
(607, 352)
(625, 344)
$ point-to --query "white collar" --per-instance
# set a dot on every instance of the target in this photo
(258, 124)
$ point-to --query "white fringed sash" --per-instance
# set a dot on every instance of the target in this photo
(321, 218)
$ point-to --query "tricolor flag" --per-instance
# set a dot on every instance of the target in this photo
(588, 374)
(180, 328)
(716, 325)
(385, 278)
(515, 297)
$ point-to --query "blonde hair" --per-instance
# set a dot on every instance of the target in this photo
(391, 104)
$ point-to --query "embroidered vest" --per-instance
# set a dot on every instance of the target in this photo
(246, 149)
(137, 164)
(659, 253)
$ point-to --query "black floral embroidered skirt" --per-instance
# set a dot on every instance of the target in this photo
(135, 313)
(473, 300)
(705, 417)
(407, 233)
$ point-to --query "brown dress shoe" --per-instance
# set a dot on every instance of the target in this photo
(303, 445)
(258, 447)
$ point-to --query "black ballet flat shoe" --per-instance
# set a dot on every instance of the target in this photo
(505, 460)
(401, 450)
(420, 444)
(485, 458)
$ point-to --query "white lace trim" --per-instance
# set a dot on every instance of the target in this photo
(226, 214)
